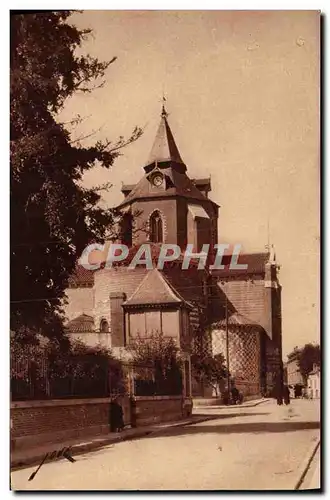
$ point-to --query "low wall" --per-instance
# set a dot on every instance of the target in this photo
(41, 422)
(148, 410)
(36, 423)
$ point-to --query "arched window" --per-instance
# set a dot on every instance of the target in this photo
(104, 326)
(127, 229)
(156, 228)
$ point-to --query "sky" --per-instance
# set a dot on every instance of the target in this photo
(242, 90)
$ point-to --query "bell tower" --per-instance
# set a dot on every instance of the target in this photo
(166, 205)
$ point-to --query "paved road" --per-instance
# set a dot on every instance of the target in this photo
(243, 449)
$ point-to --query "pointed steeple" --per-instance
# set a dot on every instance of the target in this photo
(164, 149)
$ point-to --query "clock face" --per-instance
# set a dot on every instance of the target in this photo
(157, 180)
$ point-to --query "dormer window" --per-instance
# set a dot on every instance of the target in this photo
(156, 228)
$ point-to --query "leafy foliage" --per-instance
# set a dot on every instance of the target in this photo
(209, 370)
(157, 364)
(53, 217)
(45, 371)
(309, 355)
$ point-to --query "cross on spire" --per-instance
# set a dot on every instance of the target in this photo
(164, 113)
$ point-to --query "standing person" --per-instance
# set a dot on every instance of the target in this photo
(113, 415)
(279, 398)
(279, 394)
(116, 416)
(286, 395)
(235, 395)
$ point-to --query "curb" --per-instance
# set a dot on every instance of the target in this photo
(227, 407)
(80, 448)
(306, 463)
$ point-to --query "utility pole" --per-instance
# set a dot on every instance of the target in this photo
(227, 348)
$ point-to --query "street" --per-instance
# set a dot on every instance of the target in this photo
(256, 448)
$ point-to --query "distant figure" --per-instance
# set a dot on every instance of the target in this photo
(236, 396)
(116, 416)
(279, 399)
(297, 391)
(279, 395)
(286, 394)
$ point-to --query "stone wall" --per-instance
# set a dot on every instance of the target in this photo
(93, 338)
(148, 410)
(42, 422)
(36, 423)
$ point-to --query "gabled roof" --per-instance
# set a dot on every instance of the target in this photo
(164, 148)
(155, 289)
(81, 324)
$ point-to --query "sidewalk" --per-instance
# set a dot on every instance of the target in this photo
(28, 457)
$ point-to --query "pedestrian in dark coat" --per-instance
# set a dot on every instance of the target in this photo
(120, 417)
(279, 395)
(286, 395)
(116, 416)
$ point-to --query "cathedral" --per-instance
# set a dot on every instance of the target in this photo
(236, 312)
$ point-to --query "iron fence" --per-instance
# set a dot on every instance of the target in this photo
(87, 376)
(79, 377)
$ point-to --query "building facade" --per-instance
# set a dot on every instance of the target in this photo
(314, 383)
(235, 312)
(294, 377)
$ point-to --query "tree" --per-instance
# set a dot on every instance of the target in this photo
(156, 360)
(209, 370)
(53, 217)
(309, 355)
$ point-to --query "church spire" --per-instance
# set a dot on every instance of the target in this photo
(164, 149)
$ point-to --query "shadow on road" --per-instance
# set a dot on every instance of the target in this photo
(241, 428)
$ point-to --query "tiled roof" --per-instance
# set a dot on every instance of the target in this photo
(255, 265)
(81, 324)
(237, 319)
(154, 289)
(188, 283)
(164, 147)
(81, 275)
